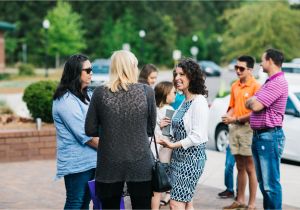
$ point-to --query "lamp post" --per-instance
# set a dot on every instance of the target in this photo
(176, 56)
(126, 46)
(194, 49)
(46, 25)
(142, 35)
(195, 38)
(24, 52)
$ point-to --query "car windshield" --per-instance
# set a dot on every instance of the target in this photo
(97, 69)
(101, 66)
(291, 69)
(209, 64)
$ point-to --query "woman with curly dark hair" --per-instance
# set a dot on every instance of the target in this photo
(189, 130)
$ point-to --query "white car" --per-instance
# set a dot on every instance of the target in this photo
(296, 60)
(218, 131)
(291, 72)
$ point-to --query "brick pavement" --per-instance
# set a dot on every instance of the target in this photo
(31, 185)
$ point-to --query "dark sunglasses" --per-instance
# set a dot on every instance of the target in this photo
(88, 70)
(241, 68)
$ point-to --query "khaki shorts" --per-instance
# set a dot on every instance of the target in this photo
(240, 139)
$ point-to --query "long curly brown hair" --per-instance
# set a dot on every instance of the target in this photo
(196, 76)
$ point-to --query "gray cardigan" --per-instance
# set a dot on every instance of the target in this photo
(120, 120)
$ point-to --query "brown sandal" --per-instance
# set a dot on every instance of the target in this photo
(251, 208)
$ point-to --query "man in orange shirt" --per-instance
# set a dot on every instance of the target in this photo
(240, 133)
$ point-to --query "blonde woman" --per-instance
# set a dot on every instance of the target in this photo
(118, 114)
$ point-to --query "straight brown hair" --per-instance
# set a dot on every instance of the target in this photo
(162, 90)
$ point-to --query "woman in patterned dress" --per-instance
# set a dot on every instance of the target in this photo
(189, 129)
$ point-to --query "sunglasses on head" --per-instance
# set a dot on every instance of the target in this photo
(241, 68)
(88, 70)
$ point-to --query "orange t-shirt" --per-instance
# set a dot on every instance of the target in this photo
(240, 92)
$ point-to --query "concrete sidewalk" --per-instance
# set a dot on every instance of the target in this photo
(31, 185)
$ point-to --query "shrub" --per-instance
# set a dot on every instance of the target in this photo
(38, 97)
(4, 76)
(26, 69)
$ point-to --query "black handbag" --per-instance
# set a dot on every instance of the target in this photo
(160, 179)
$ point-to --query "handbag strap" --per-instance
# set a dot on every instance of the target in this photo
(149, 114)
(156, 150)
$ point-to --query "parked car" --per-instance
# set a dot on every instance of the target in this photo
(210, 68)
(100, 71)
(218, 131)
(296, 60)
(231, 65)
(291, 68)
(291, 71)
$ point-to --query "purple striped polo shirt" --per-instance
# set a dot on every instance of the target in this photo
(273, 95)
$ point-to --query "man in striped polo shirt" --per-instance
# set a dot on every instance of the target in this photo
(268, 106)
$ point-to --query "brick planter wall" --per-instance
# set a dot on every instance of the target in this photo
(23, 145)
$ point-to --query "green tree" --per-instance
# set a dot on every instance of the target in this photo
(257, 26)
(185, 43)
(28, 17)
(11, 43)
(105, 40)
(102, 19)
(161, 40)
(115, 33)
(66, 33)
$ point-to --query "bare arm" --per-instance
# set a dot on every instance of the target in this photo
(93, 142)
(169, 144)
(228, 118)
(164, 122)
(254, 105)
(244, 118)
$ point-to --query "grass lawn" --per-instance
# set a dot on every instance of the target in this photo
(17, 84)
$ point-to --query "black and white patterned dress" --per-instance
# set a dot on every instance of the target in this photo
(186, 166)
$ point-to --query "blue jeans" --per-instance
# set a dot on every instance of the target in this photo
(78, 194)
(229, 166)
(267, 149)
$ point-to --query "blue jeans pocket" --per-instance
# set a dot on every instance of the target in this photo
(265, 147)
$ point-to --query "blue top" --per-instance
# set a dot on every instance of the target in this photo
(73, 155)
(178, 101)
